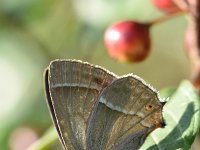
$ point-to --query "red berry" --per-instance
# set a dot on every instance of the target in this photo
(166, 5)
(128, 41)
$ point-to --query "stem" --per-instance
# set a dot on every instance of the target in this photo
(198, 23)
(166, 17)
(182, 4)
(193, 41)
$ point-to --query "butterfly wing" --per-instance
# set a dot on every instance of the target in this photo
(72, 88)
(127, 111)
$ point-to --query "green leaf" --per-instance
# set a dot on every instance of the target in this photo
(182, 117)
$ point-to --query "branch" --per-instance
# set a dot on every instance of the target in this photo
(193, 40)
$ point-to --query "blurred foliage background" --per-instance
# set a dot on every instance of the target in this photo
(34, 32)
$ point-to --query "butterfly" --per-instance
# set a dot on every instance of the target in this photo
(94, 109)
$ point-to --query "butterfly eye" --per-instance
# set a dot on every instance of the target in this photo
(149, 107)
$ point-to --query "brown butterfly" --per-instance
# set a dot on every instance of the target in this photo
(93, 109)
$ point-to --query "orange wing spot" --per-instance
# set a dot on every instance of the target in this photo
(149, 107)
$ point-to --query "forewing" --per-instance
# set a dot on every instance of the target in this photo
(127, 111)
(72, 90)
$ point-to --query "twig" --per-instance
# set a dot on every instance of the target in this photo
(193, 40)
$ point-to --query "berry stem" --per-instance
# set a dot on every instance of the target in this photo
(165, 17)
(182, 4)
